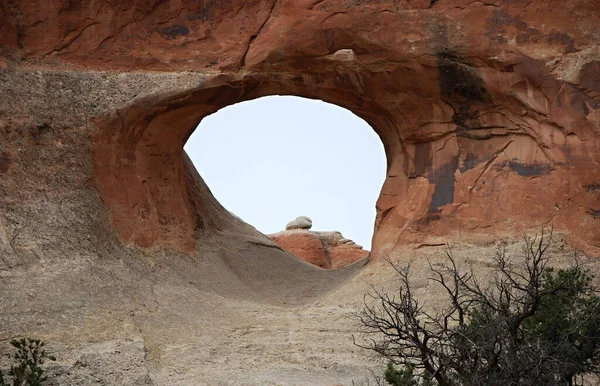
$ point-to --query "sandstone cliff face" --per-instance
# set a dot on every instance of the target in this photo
(327, 250)
(489, 115)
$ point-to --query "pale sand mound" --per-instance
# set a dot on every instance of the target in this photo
(257, 317)
(240, 312)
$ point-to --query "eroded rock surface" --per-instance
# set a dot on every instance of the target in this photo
(325, 249)
(488, 112)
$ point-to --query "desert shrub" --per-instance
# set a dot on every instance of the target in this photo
(29, 358)
(529, 324)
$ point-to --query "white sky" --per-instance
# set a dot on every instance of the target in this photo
(275, 158)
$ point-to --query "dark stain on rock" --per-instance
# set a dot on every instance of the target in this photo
(595, 213)
(70, 5)
(528, 170)
(500, 20)
(576, 99)
(39, 130)
(460, 118)
(534, 35)
(428, 219)
(469, 162)
(460, 86)
(423, 158)
(557, 37)
(174, 31)
(593, 187)
(578, 103)
(458, 80)
(5, 162)
(202, 14)
(443, 178)
(589, 76)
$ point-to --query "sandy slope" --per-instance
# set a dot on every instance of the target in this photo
(240, 312)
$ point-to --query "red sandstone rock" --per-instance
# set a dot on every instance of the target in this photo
(325, 249)
(305, 245)
(344, 254)
(489, 114)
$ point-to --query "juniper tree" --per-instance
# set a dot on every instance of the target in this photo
(529, 324)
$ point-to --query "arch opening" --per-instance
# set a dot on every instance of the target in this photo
(447, 154)
(153, 191)
(274, 158)
(157, 199)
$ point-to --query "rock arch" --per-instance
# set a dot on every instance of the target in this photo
(488, 112)
(155, 195)
(458, 161)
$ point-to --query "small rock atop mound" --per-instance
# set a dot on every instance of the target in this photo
(325, 249)
(301, 222)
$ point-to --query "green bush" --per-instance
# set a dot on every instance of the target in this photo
(30, 356)
(405, 376)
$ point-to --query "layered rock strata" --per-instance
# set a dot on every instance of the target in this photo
(488, 112)
(324, 249)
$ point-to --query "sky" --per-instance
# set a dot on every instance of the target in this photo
(275, 158)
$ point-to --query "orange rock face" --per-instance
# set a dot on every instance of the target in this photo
(489, 114)
(325, 249)
(305, 245)
(343, 254)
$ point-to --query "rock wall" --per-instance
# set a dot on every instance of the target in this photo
(488, 112)
(329, 250)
